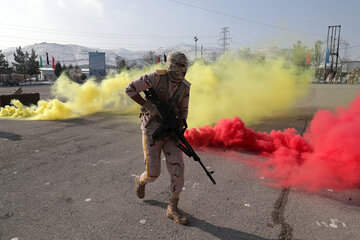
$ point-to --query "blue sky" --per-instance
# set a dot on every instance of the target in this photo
(145, 24)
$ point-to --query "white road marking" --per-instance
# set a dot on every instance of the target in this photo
(332, 224)
(88, 200)
(103, 162)
(325, 224)
(195, 184)
(142, 221)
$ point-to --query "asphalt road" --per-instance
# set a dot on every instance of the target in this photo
(73, 179)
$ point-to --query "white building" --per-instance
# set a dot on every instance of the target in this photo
(47, 74)
(349, 64)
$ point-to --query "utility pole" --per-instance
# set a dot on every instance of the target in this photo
(333, 46)
(201, 51)
(196, 39)
(224, 39)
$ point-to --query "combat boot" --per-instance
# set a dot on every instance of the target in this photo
(139, 187)
(174, 213)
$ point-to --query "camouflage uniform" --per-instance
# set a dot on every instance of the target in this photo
(171, 86)
(177, 94)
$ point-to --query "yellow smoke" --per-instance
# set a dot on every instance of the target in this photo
(222, 89)
(73, 99)
(233, 87)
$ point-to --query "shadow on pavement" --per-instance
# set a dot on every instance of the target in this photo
(10, 136)
(219, 232)
(77, 121)
(349, 197)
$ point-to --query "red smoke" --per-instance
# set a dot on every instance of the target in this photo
(327, 157)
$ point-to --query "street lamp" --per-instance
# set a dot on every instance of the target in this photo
(196, 39)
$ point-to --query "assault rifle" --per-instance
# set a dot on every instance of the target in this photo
(171, 125)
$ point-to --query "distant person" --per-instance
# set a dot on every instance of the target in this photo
(348, 79)
(332, 77)
(171, 86)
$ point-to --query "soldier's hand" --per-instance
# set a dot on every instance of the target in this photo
(182, 124)
(151, 108)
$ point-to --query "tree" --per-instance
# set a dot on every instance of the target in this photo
(70, 67)
(5, 71)
(4, 65)
(21, 60)
(131, 64)
(298, 55)
(213, 56)
(77, 67)
(57, 69)
(33, 66)
(121, 64)
(150, 58)
(245, 53)
(250, 56)
(317, 53)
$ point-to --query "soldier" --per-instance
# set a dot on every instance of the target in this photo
(171, 86)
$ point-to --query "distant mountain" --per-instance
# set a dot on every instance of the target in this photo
(75, 54)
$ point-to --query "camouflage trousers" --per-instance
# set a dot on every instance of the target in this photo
(152, 157)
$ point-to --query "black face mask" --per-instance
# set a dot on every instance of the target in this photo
(177, 71)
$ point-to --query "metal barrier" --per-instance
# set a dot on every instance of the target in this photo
(24, 98)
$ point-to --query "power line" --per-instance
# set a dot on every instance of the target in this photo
(349, 33)
(52, 30)
(356, 46)
(241, 39)
(127, 45)
(244, 19)
(97, 34)
(100, 45)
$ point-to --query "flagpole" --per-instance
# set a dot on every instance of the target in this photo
(327, 47)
